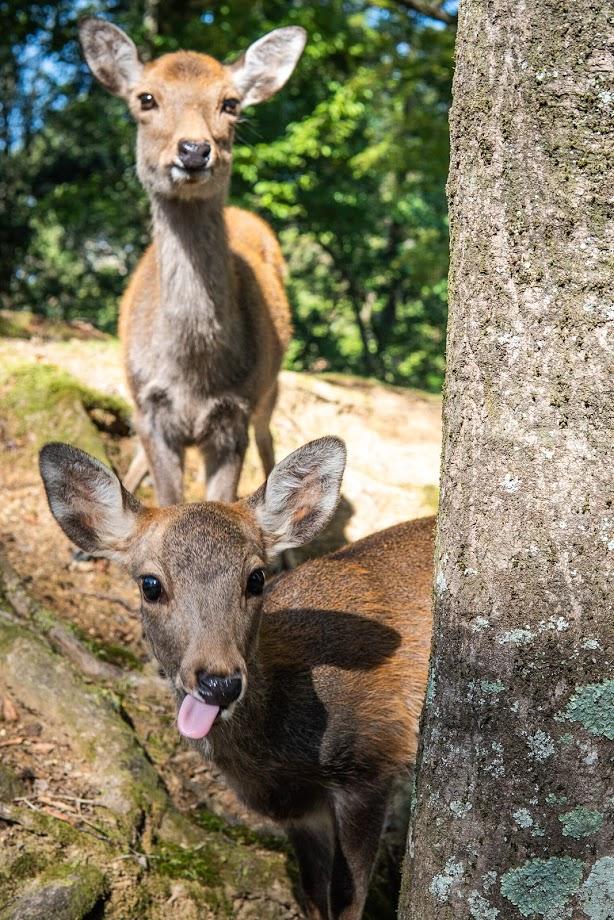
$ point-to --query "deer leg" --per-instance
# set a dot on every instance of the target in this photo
(137, 470)
(262, 431)
(223, 451)
(359, 818)
(264, 443)
(313, 844)
(222, 471)
(162, 449)
(164, 455)
(166, 465)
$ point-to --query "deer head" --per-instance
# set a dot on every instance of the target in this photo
(201, 568)
(185, 104)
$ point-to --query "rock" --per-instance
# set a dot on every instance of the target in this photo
(66, 893)
(10, 784)
(48, 685)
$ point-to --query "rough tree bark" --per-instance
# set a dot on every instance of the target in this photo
(513, 790)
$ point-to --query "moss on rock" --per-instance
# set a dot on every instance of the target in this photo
(15, 325)
(24, 324)
(216, 867)
(45, 403)
(111, 652)
(129, 784)
(64, 892)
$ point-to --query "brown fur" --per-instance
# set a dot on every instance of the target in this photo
(384, 579)
(333, 701)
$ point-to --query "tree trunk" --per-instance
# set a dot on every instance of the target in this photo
(513, 787)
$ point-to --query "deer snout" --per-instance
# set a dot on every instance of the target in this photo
(219, 691)
(193, 154)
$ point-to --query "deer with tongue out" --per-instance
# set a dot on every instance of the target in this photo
(305, 691)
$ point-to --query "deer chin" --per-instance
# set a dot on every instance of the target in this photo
(181, 176)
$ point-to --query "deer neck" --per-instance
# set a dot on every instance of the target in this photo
(197, 286)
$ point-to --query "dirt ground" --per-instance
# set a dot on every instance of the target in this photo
(393, 438)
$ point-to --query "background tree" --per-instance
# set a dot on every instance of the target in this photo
(513, 801)
(348, 163)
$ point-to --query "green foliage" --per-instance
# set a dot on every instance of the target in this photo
(348, 163)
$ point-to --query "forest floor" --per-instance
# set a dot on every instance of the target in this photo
(103, 811)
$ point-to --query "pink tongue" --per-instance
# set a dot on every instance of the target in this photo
(195, 718)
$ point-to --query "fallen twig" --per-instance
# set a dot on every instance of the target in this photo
(79, 799)
(7, 814)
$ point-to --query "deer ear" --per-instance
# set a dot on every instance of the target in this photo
(267, 64)
(111, 55)
(88, 501)
(300, 496)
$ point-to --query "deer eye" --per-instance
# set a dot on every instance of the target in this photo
(147, 102)
(230, 106)
(255, 582)
(152, 588)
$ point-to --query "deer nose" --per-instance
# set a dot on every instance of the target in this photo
(219, 691)
(193, 154)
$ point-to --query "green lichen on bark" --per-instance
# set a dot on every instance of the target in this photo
(443, 883)
(581, 822)
(541, 886)
(492, 686)
(522, 817)
(593, 707)
(597, 894)
(479, 907)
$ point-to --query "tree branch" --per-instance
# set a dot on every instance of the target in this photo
(429, 8)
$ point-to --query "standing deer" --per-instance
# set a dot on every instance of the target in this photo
(305, 691)
(205, 319)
